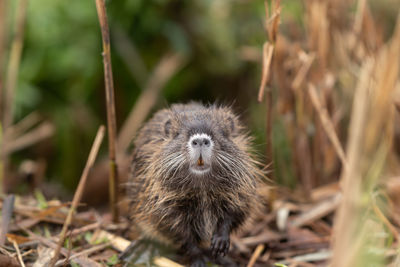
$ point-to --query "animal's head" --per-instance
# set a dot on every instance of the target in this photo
(204, 146)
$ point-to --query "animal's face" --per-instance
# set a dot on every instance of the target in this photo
(201, 147)
(200, 151)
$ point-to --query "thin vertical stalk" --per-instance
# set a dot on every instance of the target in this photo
(11, 80)
(3, 37)
(14, 62)
(110, 102)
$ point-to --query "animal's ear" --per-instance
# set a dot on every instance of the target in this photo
(167, 127)
(230, 126)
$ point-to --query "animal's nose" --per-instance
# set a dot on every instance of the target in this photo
(199, 142)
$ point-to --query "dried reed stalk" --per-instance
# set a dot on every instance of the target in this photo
(255, 255)
(268, 128)
(301, 75)
(3, 41)
(21, 262)
(13, 63)
(370, 139)
(111, 118)
(327, 123)
(7, 211)
(319, 30)
(348, 212)
(78, 193)
(11, 81)
(273, 19)
(359, 17)
(168, 66)
(268, 50)
(271, 26)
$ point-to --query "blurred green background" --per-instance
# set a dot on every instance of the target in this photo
(61, 73)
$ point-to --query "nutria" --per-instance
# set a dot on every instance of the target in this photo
(193, 179)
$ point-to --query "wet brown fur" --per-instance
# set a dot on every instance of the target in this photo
(175, 206)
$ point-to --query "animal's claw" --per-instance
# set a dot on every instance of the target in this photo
(220, 245)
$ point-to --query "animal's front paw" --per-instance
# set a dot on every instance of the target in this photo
(220, 245)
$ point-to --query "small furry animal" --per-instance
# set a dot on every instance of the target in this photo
(193, 180)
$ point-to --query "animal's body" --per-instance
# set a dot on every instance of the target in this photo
(193, 179)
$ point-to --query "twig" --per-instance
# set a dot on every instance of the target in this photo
(256, 254)
(111, 118)
(385, 220)
(315, 256)
(43, 131)
(28, 252)
(272, 22)
(8, 207)
(85, 252)
(23, 125)
(327, 124)
(46, 242)
(318, 211)
(18, 253)
(264, 237)
(79, 231)
(268, 50)
(85, 228)
(79, 190)
(169, 65)
(301, 75)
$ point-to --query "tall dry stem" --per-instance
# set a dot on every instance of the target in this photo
(370, 139)
(11, 81)
(111, 118)
(3, 41)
